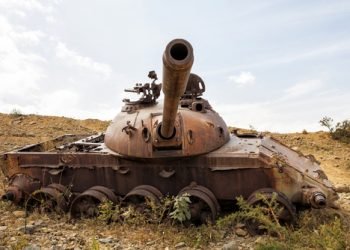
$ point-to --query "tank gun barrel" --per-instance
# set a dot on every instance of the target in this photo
(177, 63)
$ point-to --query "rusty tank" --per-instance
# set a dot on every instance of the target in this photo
(152, 149)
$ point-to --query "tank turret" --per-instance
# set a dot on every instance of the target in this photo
(184, 125)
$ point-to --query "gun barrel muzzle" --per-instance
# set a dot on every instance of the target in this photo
(177, 63)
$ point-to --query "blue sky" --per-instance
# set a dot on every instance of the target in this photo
(274, 65)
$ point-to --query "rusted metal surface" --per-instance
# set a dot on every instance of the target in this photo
(20, 187)
(286, 214)
(52, 198)
(135, 159)
(203, 203)
(177, 63)
(144, 191)
(86, 204)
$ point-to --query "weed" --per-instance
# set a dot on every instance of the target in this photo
(105, 210)
(206, 234)
(181, 208)
(95, 245)
(21, 243)
(316, 229)
(313, 232)
(7, 206)
(16, 113)
(276, 245)
(265, 216)
(158, 211)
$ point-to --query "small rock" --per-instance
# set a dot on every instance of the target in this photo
(118, 247)
(295, 148)
(180, 245)
(38, 222)
(16, 122)
(343, 189)
(73, 235)
(105, 240)
(29, 229)
(240, 225)
(240, 232)
(70, 247)
(59, 246)
(45, 230)
(337, 158)
(30, 134)
(232, 245)
(19, 213)
(3, 228)
(32, 247)
(32, 123)
(259, 240)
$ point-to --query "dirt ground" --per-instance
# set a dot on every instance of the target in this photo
(20, 130)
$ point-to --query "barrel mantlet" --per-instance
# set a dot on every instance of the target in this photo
(196, 133)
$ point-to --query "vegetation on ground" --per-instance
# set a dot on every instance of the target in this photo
(16, 113)
(341, 131)
(314, 229)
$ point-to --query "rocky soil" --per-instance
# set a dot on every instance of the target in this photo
(37, 231)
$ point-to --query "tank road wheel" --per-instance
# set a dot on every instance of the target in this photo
(285, 217)
(53, 198)
(138, 195)
(204, 206)
(86, 204)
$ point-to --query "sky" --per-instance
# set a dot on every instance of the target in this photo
(272, 65)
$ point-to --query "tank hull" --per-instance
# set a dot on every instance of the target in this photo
(240, 167)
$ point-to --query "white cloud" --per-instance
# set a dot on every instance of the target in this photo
(304, 88)
(339, 47)
(243, 79)
(19, 13)
(28, 36)
(73, 58)
(50, 19)
(292, 112)
(26, 5)
(59, 102)
(41, 72)
(19, 70)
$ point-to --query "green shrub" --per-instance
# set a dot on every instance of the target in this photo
(265, 216)
(340, 132)
(181, 208)
(149, 211)
(16, 113)
(313, 232)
